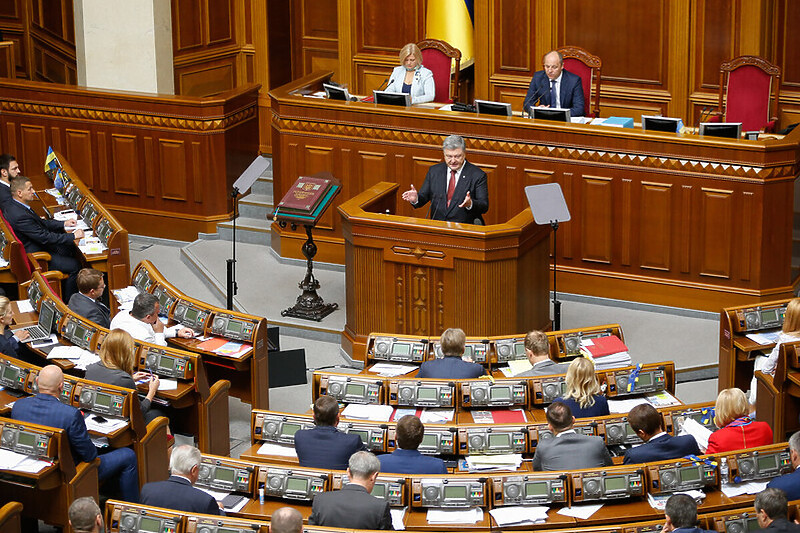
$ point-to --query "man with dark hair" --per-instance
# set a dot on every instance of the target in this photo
(86, 302)
(286, 520)
(142, 322)
(790, 483)
(658, 445)
(324, 446)
(568, 450)
(9, 169)
(537, 350)
(85, 516)
(354, 507)
(43, 235)
(451, 366)
(406, 459)
(680, 515)
(772, 512)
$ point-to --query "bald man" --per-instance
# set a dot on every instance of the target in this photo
(286, 520)
(45, 408)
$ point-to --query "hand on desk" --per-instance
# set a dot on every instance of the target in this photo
(411, 195)
(185, 333)
(77, 234)
(22, 334)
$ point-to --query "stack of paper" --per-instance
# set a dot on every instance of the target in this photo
(518, 515)
(21, 463)
(103, 425)
(659, 502)
(580, 511)
(662, 399)
(765, 337)
(697, 430)
(377, 413)
(737, 489)
(281, 450)
(391, 370)
(624, 406)
(518, 366)
(126, 296)
(431, 415)
(398, 518)
(455, 516)
(77, 355)
(606, 352)
(494, 463)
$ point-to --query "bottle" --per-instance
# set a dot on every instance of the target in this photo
(723, 472)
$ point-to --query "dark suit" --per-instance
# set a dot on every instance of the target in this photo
(403, 461)
(780, 525)
(326, 447)
(8, 344)
(571, 92)
(600, 407)
(351, 508)
(178, 493)
(662, 448)
(434, 189)
(118, 463)
(788, 483)
(571, 451)
(450, 367)
(90, 309)
(545, 368)
(43, 235)
(691, 530)
(5, 195)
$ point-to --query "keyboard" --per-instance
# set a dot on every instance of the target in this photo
(36, 332)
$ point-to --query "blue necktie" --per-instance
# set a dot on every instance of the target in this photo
(553, 99)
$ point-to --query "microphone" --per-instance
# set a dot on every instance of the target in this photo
(381, 86)
(529, 103)
(389, 85)
(703, 115)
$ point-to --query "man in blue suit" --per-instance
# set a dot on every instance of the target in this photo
(658, 445)
(406, 459)
(451, 366)
(555, 87)
(46, 409)
(790, 483)
(680, 515)
(324, 446)
(177, 492)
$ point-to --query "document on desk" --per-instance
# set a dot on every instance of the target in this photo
(126, 296)
(377, 413)
(100, 424)
(270, 448)
(167, 384)
(662, 399)
(580, 511)
(517, 515)
(765, 337)
(398, 518)
(91, 245)
(19, 462)
(66, 214)
(49, 341)
(659, 501)
(500, 462)
(391, 370)
(698, 431)
(737, 489)
(624, 406)
(25, 306)
(518, 366)
(434, 415)
(3, 262)
(455, 516)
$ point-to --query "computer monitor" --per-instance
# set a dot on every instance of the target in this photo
(558, 114)
(389, 98)
(731, 130)
(332, 92)
(665, 124)
(487, 107)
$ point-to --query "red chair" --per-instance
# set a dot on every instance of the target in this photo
(587, 66)
(443, 60)
(748, 93)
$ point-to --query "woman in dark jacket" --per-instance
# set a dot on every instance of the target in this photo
(9, 341)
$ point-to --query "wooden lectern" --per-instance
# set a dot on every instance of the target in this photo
(415, 276)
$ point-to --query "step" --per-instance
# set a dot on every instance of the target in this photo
(262, 185)
(249, 230)
(255, 206)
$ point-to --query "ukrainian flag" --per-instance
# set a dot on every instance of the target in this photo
(51, 162)
(452, 21)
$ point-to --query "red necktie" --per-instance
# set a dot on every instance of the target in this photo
(451, 187)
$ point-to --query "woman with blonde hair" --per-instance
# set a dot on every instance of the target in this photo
(411, 77)
(9, 341)
(790, 332)
(116, 367)
(583, 391)
(736, 430)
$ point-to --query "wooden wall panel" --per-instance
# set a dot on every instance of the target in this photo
(78, 151)
(172, 169)
(125, 164)
(373, 167)
(221, 14)
(597, 220)
(515, 25)
(716, 241)
(32, 136)
(384, 27)
(655, 225)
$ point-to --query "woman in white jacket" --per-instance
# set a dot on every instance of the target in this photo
(411, 77)
(790, 332)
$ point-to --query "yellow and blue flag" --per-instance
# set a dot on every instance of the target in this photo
(452, 21)
(51, 162)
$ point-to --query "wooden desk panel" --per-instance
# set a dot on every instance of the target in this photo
(677, 220)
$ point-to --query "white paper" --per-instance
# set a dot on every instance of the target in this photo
(698, 431)
(108, 426)
(737, 489)
(167, 384)
(519, 515)
(3, 262)
(66, 352)
(398, 518)
(270, 448)
(52, 339)
(624, 406)
(659, 502)
(436, 416)
(765, 337)
(518, 366)
(662, 399)
(378, 413)
(25, 306)
(391, 370)
(581, 511)
(31, 465)
(66, 214)
(455, 516)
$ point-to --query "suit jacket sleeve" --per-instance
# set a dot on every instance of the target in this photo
(480, 195)
(578, 107)
(79, 439)
(28, 226)
(537, 460)
(428, 87)
(607, 461)
(213, 508)
(314, 518)
(386, 520)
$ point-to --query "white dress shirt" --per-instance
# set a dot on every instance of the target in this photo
(141, 330)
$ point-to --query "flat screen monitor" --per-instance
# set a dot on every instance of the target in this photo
(558, 114)
(665, 124)
(388, 98)
(731, 130)
(487, 107)
(333, 92)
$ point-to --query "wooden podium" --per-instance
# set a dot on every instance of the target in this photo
(415, 276)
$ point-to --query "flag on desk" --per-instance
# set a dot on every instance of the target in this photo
(452, 21)
(51, 162)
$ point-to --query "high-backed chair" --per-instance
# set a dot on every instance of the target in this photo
(748, 93)
(443, 60)
(587, 66)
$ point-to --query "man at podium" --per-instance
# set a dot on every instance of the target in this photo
(456, 189)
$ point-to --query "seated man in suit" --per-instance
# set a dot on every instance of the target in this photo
(286, 520)
(451, 366)
(86, 302)
(324, 446)
(658, 445)
(537, 349)
(46, 409)
(790, 483)
(177, 492)
(680, 515)
(568, 450)
(143, 324)
(85, 516)
(354, 507)
(43, 235)
(555, 87)
(772, 512)
(9, 169)
(457, 189)
(406, 459)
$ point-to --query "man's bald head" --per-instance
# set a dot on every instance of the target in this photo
(50, 380)
(286, 520)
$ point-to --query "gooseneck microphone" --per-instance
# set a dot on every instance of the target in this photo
(526, 106)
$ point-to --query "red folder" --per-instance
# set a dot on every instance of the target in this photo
(605, 346)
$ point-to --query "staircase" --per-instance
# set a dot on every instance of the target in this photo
(252, 225)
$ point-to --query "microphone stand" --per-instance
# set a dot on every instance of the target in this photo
(556, 303)
(230, 284)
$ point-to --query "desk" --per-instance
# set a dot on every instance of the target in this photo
(686, 221)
